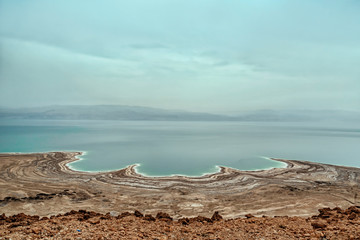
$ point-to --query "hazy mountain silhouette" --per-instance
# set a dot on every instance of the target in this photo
(120, 112)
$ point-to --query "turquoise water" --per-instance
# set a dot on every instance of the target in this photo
(184, 148)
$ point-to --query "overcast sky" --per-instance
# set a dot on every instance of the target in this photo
(202, 55)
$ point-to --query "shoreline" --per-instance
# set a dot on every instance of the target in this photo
(133, 168)
(136, 165)
(43, 184)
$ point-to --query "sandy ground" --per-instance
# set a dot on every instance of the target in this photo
(41, 184)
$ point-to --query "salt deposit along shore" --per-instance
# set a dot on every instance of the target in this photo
(42, 184)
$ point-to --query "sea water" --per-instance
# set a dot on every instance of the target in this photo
(185, 148)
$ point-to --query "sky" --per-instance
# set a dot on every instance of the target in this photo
(203, 55)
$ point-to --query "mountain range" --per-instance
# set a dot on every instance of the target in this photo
(122, 112)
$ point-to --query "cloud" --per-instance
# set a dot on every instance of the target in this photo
(163, 72)
(203, 55)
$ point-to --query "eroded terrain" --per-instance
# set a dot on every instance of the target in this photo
(41, 184)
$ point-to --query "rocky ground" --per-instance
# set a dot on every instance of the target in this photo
(328, 224)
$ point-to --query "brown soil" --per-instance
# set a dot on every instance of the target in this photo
(329, 224)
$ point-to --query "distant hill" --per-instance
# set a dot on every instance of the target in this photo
(297, 115)
(129, 113)
(107, 112)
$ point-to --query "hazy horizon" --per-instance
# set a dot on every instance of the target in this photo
(204, 56)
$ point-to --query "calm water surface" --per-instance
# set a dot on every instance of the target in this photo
(186, 148)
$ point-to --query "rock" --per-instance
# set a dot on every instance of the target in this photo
(94, 221)
(249, 215)
(84, 217)
(138, 214)
(319, 225)
(124, 214)
(72, 212)
(200, 219)
(216, 216)
(72, 226)
(36, 230)
(163, 216)
(337, 209)
(14, 225)
(184, 221)
(352, 209)
(149, 217)
(325, 213)
(352, 216)
(106, 216)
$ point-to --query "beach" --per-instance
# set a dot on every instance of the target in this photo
(42, 184)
